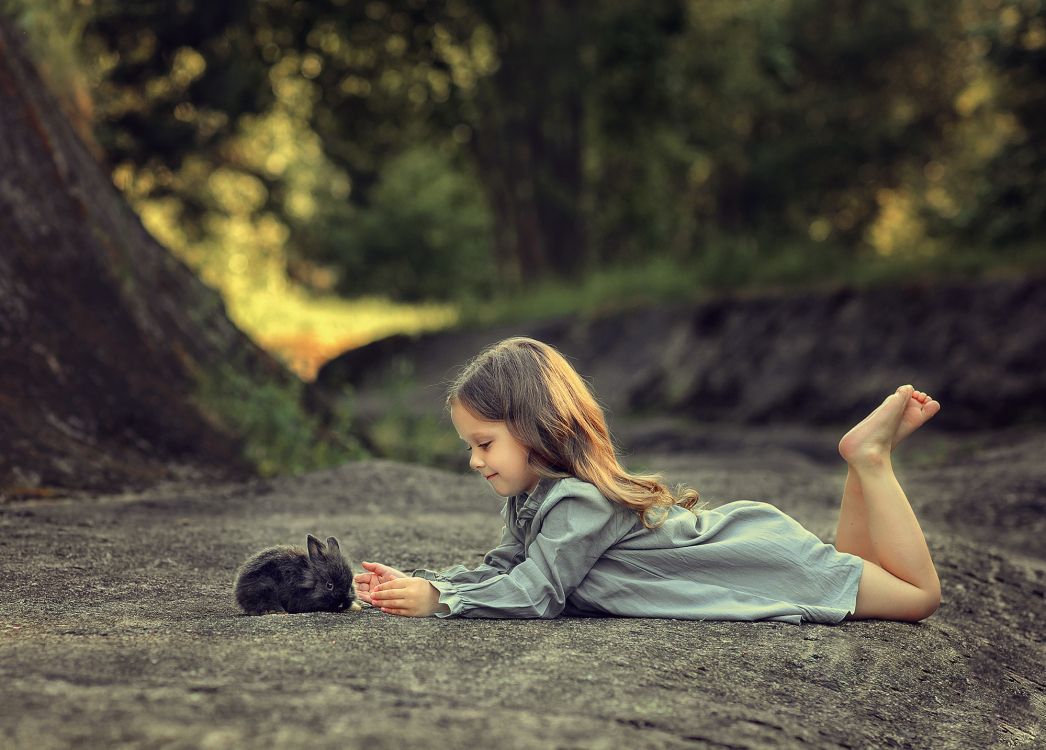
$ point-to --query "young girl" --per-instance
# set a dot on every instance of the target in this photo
(582, 536)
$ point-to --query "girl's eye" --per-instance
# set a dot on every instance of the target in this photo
(484, 445)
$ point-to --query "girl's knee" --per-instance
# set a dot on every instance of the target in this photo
(931, 604)
(883, 596)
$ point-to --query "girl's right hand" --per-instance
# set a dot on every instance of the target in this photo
(376, 573)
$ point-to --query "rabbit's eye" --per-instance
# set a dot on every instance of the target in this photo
(330, 586)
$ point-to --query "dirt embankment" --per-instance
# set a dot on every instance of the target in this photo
(803, 358)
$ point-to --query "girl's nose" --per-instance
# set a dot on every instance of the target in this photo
(474, 461)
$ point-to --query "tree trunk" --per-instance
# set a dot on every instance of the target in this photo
(528, 138)
(103, 333)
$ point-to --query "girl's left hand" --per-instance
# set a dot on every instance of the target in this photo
(411, 597)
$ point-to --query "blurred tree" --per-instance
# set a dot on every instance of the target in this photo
(504, 83)
(425, 228)
(636, 151)
(799, 113)
(1012, 205)
(571, 135)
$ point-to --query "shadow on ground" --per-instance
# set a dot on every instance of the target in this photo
(118, 627)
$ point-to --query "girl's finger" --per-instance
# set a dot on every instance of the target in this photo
(393, 602)
(387, 596)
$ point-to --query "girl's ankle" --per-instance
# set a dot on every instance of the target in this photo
(870, 462)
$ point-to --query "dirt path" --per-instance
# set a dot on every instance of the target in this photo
(118, 628)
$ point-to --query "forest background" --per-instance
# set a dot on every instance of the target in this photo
(341, 171)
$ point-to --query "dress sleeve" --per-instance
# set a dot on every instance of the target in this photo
(499, 560)
(574, 534)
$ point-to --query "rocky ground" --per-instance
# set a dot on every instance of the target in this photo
(118, 627)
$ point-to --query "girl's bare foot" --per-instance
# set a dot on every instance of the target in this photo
(870, 441)
(917, 412)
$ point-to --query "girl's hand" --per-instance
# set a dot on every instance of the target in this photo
(376, 574)
(411, 597)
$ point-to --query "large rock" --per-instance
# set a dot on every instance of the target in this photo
(118, 626)
(104, 335)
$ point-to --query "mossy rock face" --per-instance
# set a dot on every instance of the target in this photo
(104, 336)
(122, 609)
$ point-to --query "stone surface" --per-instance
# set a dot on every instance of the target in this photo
(118, 626)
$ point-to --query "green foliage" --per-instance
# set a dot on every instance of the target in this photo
(54, 30)
(278, 436)
(1004, 195)
(424, 234)
(470, 149)
(733, 262)
(403, 435)
(616, 287)
(467, 147)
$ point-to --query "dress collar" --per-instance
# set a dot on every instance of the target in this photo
(527, 505)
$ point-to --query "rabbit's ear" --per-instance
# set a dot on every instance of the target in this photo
(332, 546)
(316, 549)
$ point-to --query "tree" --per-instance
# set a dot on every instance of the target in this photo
(589, 133)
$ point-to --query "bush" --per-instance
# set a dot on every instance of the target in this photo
(426, 234)
(279, 436)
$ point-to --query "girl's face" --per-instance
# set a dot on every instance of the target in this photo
(496, 455)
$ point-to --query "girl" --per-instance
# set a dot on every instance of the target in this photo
(582, 536)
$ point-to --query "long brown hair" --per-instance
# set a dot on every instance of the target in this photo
(549, 408)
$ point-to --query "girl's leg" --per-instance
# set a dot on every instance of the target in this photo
(851, 534)
(903, 583)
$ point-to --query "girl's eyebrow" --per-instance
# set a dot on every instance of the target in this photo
(479, 434)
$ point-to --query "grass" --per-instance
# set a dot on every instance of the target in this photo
(743, 266)
(304, 331)
(279, 436)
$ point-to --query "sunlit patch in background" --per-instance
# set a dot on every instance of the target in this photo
(244, 253)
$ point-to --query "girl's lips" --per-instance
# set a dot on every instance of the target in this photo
(491, 476)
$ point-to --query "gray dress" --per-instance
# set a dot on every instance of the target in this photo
(566, 549)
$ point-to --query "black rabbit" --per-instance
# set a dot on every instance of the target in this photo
(287, 579)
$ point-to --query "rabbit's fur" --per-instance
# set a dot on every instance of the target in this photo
(290, 579)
